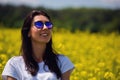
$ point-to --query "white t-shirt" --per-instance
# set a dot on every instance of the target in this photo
(15, 68)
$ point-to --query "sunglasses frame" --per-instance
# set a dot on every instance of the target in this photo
(40, 24)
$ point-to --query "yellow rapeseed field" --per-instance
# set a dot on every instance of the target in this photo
(95, 56)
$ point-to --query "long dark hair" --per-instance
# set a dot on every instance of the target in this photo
(50, 57)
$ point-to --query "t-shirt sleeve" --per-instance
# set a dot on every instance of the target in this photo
(65, 64)
(9, 69)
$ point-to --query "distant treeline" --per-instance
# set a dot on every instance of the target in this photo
(93, 20)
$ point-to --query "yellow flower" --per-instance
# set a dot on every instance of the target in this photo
(3, 58)
(97, 70)
(93, 78)
(101, 64)
(83, 73)
(109, 75)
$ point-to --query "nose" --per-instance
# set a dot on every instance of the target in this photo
(44, 27)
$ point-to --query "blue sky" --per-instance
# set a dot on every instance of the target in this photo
(58, 4)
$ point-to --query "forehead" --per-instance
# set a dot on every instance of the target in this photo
(40, 18)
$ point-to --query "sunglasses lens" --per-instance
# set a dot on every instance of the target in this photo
(38, 24)
(49, 25)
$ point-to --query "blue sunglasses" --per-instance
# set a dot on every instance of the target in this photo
(40, 24)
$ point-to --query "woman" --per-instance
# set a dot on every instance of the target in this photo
(38, 60)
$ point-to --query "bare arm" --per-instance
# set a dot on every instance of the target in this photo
(66, 75)
(10, 78)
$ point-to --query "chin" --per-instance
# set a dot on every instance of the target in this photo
(45, 41)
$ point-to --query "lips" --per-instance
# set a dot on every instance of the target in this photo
(44, 34)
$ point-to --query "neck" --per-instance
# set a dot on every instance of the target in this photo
(38, 50)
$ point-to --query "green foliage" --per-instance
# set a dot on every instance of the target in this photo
(93, 20)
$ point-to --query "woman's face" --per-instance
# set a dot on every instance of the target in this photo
(42, 35)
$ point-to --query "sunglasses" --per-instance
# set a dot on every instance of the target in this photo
(40, 24)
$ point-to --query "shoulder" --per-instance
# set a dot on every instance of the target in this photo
(12, 66)
(15, 60)
(62, 58)
(64, 63)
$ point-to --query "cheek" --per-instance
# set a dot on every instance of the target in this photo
(32, 32)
